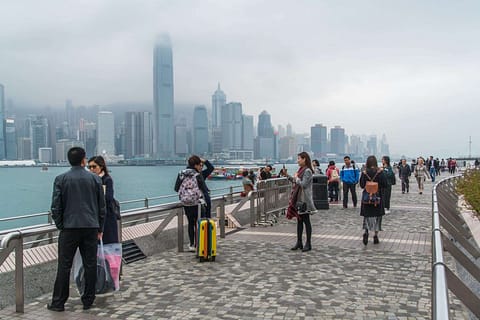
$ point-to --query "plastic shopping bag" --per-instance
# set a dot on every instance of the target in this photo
(113, 255)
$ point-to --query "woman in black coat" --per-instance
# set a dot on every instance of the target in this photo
(98, 166)
(372, 209)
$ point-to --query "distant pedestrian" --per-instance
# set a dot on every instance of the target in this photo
(431, 167)
(301, 201)
(404, 174)
(333, 177)
(412, 165)
(390, 177)
(98, 166)
(78, 210)
(477, 163)
(247, 184)
(316, 167)
(349, 175)
(436, 164)
(194, 170)
(421, 173)
(372, 209)
(452, 165)
(266, 173)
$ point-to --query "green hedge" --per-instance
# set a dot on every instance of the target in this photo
(469, 186)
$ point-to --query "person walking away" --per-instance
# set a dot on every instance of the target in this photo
(301, 203)
(372, 180)
(78, 210)
(333, 178)
(431, 167)
(412, 165)
(194, 170)
(421, 173)
(404, 174)
(477, 163)
(97, 166)
(316, 167)
(390, 177)
(349, 176)
(436, 165)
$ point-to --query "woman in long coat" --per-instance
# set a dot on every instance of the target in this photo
(301, 201)
(98, 166)
(372, 211)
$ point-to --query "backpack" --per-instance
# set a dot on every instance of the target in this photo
(334, 174)
(370, 194)
(189, 193)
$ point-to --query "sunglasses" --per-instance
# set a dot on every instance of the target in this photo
(93, 166)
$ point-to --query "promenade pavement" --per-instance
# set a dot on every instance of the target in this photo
(257, 276)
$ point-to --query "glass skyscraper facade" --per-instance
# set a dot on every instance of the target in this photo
(163, 98)
(105, 134)
(219, 99)
(200, 130)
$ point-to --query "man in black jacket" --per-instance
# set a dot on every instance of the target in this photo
(78, 210)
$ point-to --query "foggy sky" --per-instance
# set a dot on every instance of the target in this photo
(409, 69)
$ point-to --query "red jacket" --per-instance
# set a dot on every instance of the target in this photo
(329, 174)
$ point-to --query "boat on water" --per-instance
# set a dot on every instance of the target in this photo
(44, 168)
(230, 173)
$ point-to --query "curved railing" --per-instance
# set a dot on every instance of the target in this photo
(450, 234)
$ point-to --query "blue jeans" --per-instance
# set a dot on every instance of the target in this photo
(432, 173)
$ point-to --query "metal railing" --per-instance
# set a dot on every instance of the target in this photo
(270, 199)
(450, 234)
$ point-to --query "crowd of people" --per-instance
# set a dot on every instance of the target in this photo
(83, 204)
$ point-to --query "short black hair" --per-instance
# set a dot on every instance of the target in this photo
(346, 157)
(245, 173)
(75, 156)
(193, 161)
(269, 166)
(316, 162)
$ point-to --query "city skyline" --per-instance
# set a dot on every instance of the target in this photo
(323, 62)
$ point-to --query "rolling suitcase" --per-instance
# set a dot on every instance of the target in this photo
(206, 240)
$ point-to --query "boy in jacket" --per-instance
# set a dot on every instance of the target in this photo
(349, 176)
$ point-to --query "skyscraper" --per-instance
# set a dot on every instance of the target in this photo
(138, 134)
(38, 133)
(337, 140)
(10, 140)
(163, 98)
(219, 99)
(318, 139)
(200, 130)
(2, 123)
(265, 129)
(247, 132)
(105, 134)
(232, 126)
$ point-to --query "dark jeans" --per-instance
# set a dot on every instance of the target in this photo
(405, 184)
(387, 194)
(68, 242)
(192, 215)
(304, 218)
(349, 187)
(333, 191)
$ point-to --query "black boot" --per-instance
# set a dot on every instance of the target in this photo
(307, 247)
(297, 246)
(365, 238)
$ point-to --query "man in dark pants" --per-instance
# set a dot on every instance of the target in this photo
(78, 209)
(349, 175)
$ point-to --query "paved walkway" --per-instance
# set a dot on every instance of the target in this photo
(257, 276)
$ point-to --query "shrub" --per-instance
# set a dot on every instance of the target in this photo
(469, 187)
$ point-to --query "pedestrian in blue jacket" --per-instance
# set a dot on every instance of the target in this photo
(349, 176)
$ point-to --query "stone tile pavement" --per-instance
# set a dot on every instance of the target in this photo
(256, 276)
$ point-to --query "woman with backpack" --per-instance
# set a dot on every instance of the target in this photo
(390, 175)
(372, 180)
(333, 178)
(190, 195)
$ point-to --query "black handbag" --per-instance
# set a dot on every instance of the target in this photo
(301, 205)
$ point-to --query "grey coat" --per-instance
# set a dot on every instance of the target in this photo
(306, 193)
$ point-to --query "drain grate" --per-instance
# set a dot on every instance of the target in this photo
(131, 252)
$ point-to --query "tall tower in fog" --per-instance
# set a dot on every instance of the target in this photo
(163, 98)
(105, 133)
(2, 123)
(219, 99)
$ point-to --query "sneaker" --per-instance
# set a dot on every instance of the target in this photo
(387, 211)
(191, 248)
(375, 240)
(54, 308)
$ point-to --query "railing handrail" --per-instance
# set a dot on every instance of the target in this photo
(440, 303)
